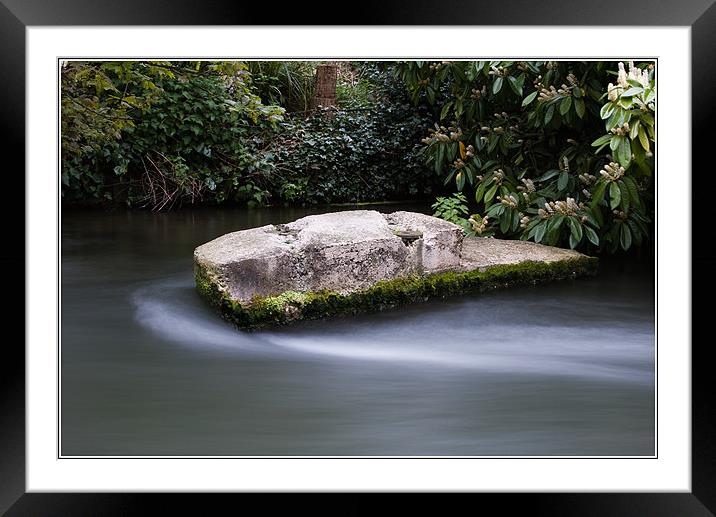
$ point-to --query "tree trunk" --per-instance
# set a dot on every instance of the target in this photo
(325, 94)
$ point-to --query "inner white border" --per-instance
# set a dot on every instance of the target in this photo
(669, 472)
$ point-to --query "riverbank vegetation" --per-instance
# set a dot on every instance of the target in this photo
(558, 152)
(161, 135)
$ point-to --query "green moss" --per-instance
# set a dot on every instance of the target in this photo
(292, 306)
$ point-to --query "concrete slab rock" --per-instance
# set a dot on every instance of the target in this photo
(351, 255)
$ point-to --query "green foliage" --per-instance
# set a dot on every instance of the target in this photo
(453, 209)
(521, 136)
(97, 105)
(355, 154)
(289, 84)
(364, 85)
(159, 133)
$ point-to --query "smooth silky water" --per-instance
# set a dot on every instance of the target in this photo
(148, 369)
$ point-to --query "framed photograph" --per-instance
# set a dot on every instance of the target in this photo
(589, 399)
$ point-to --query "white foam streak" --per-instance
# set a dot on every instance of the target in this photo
(456, 339)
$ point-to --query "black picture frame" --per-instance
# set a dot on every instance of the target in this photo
(700, 15)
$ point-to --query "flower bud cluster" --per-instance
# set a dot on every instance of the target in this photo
(500, 71)
(621, 131)
(613, 92)
(622, 76)
(571, 79)
(529, 186)
(509, 201)
(478, 94)
(469, 151)
(499, 175)
(458, 164)
(479, 225)
(436, 135)
(565, 90)
(524, 222)
(436, 66)
(545, 94)
(612, 172)
(586, 193)
(439, 134)
(568, 207)
(587, 178)
(620, 214)
(635, 74)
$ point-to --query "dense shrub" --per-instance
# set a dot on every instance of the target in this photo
(550, 151)
(366, 150)
(352, 156)
(289, 84)
(158, 133)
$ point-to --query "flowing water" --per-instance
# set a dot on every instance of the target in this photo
(147, 369)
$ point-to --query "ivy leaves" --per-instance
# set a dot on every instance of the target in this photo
(166, 132)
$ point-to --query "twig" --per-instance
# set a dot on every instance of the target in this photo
(97, 112)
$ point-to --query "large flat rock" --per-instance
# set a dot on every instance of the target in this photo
(341, 251)
(361, 259)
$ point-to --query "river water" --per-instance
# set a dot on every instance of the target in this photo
(565, 369)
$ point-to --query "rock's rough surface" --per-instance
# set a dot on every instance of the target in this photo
(361, 260)
(480, 253)
(342, 252)
(441, 240)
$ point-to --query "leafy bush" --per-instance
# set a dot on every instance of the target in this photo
(94, 113)
(289, 84)
(362, 85)
(522, 138)
(365, 152)
(453, 209)
(160, 133)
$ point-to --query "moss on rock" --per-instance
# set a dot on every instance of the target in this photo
(292, 306)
